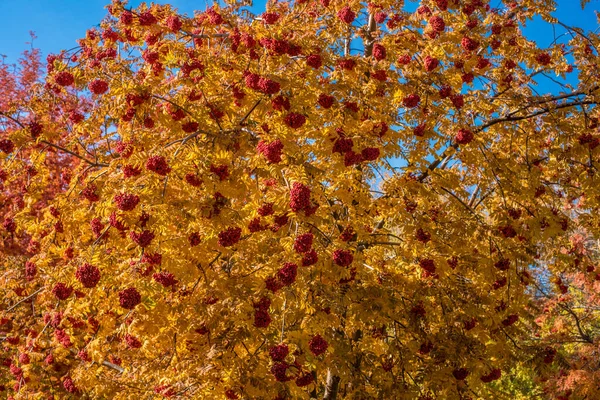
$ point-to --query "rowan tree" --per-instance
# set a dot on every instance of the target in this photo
(326, 200)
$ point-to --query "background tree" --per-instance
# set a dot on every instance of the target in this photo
(330, 199)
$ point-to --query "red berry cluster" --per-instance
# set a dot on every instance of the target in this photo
(271, 151)
(30, 271)
(303, 243)
(193, 179)
(294, 120)
(314, 61)
(35, 128)
(287, 274)
(132, 342)
(379, 52)
(270, 18)
(428, 265)
(7, 146)
(88, 275)
(255, 225)
(502, 264)
(84, 356)
(230, 236)
(165, 278)
(69, 385)
(430, 63)
(437, 23)
(146, 18)
(64, 78)
(262, 319)
(273, 284)
(325, 100)
(214, 17)
(221, 171)
(194, 239)
(493, 375)
(142, 239)
(460, 374)
(441, 4)
(126, 201)
(299, 197)
(116, 222)
(380, 75)
(173, 23)
(261, 84)
(318, 345)
(190, 126)
(279, 352)
(346, 15)
(310, 258)
(342, 257)
(411, 101)
(158, 164)
(469, 44)
(61, 291)
(98, 86)
(129, 298)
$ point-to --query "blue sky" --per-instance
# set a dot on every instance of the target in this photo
(59, 23)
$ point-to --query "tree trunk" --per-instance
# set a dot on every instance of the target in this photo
(331, 386)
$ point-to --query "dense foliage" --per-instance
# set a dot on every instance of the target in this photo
(330, 199)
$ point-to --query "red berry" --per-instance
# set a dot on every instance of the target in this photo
(287, 273)
(318, 345)
(230, 236)
(379, 52)
(469, 44)
(126, 201)
(62, 291)
(98, 86)
(262, 319)
(270, 18)
(279, 352)
(158, 164)
(142, 239)
(299, 197)
(129, 298)
(464, 136)
(314, 61)
(431, 63)
(346, 15)
(303, 243)
(132, 342)
(411, 101)
(64, 78)
(343, 258)
(88, 275)
(437, 23)
(294, 120)
(165, 278)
